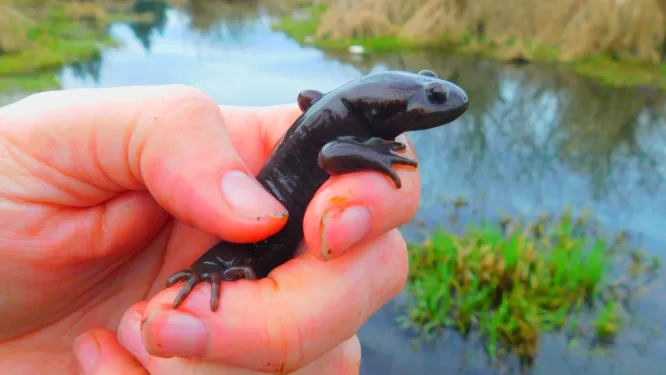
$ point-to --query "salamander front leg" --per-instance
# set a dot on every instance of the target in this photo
(350, 154)
(223, 262)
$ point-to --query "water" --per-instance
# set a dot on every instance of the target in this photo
(535, 139)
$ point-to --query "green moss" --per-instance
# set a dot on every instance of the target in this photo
(606, 69)
(513, 281)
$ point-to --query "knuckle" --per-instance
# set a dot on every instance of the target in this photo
(181, 106)
(351, 356)
(191, 101)
(186, 92)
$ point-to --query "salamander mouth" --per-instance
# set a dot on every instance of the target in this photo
(455, 112)
(439, 118)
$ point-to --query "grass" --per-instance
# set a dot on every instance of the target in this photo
(64, 34)
(515, 281)
(622, 73)
(610, 70)
(29, 82)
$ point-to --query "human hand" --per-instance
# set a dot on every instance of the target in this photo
(105, 193)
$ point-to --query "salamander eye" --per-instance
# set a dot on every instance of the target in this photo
(437, 92)
(428, 73)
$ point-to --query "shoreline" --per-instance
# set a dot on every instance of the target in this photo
(67, 34)
(611, 72)
(36, 65)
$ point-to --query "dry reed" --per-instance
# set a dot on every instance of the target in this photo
(623, 29)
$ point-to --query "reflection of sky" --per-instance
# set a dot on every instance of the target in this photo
(530, 181)
(262, 68)
(520, 172)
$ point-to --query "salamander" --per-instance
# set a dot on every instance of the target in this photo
(350, 129)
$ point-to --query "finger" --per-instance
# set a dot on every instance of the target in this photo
(286, 320)
(344, 359)
(355, 207)
(99, 353)
(255, 131)
(344, 211)
(168, 139)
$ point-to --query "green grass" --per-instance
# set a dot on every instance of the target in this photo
(612, 72)
(513, 282)
(54, 41)
(31, 83)
(51, 53)
(618, 73)
(622, 73)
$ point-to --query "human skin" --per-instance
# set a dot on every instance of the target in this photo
(104, 193)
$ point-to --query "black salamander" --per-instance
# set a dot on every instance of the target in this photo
(350, 129)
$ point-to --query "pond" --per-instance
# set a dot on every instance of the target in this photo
(535, 139)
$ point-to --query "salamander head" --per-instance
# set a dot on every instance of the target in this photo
(396, 102)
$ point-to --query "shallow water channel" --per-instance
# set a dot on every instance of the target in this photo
(535, 139)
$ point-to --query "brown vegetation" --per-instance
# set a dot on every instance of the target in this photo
(624, 29)
(13, 33)
(18, 17)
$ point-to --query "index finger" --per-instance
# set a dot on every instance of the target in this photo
(84, 147)
(255, 131)
(302, 310)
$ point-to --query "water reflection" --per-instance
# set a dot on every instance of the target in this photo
(534, 139)
(537, 138)
(222, 19)
(144, 29)
(87, 71)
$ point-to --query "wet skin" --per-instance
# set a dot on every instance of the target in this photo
(350, 129)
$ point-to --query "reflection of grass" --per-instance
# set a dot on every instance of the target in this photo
(622, 73)
(610, 71)
(515, 281)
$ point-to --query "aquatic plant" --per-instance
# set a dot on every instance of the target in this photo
(514, 281)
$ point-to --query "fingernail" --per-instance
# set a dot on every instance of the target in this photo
(342, 228)
(129, 335)
(179, 334)
(87, 350)
(248, 197)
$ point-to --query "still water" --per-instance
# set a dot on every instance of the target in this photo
(535, 139)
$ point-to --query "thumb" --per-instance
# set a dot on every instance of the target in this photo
(170, 140)
(190, 165)
(99, 353)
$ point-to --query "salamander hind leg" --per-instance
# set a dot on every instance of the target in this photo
(350, 154)
(218, 264)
